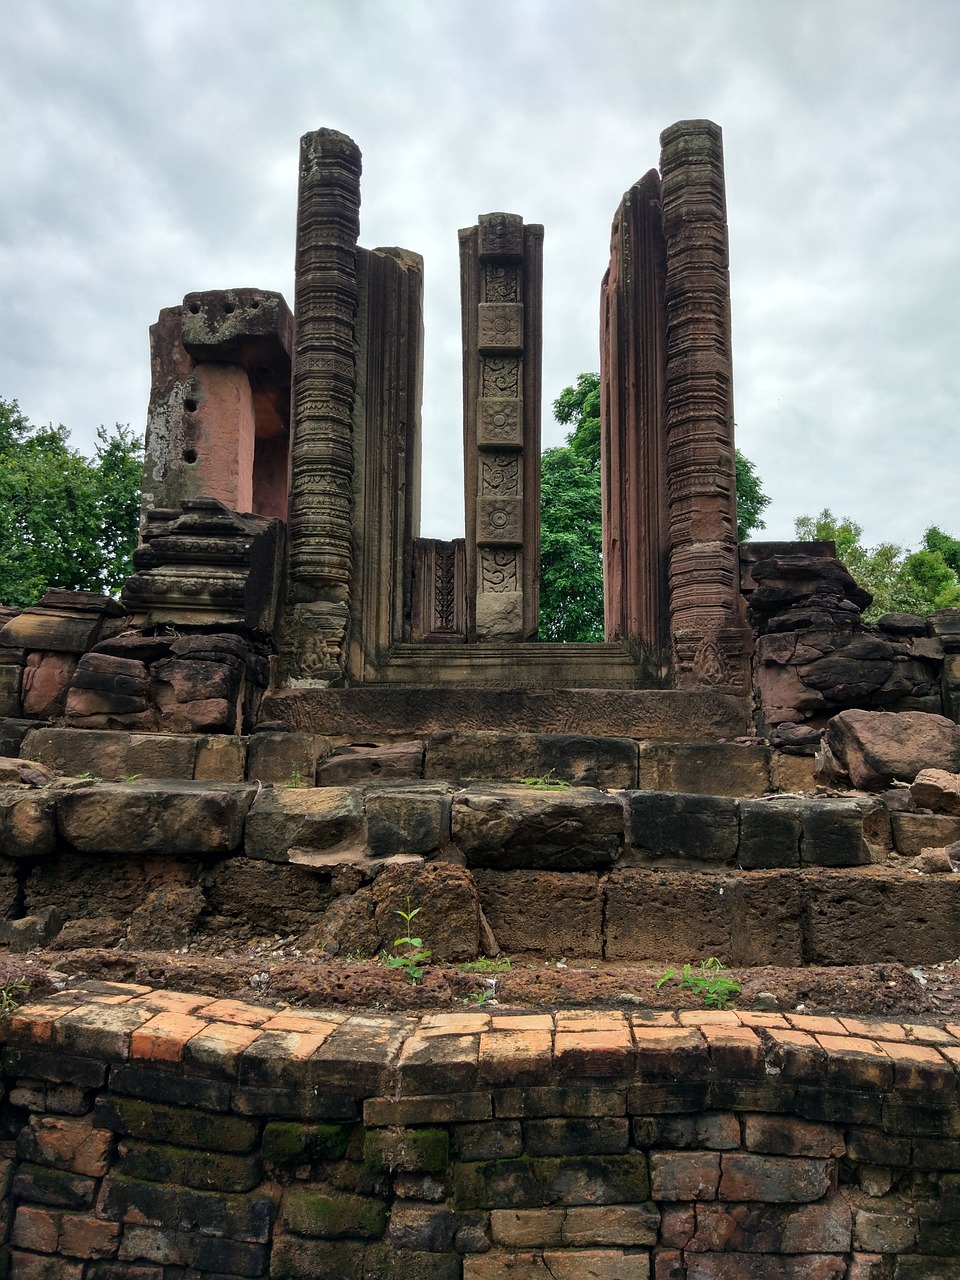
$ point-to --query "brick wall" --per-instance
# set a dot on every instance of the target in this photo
(150, 1135)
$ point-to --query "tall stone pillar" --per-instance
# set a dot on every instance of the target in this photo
(324, 387)
(710, 642)
(636, 534)
(501, 274)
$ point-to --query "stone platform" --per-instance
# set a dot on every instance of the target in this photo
(157, 1134)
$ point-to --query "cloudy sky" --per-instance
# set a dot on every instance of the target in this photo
(149, 148)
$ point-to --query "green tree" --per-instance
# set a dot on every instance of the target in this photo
(65, 520)
(571, 568)
(900, 581)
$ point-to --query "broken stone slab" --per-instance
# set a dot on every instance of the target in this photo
(172, 817)
(364, 762)
(913, 832)
(18, 772)
(938, 790)
(28, 827)
(507, 826)
(677, 825)
(711, 768)
(871, 749)
(31, 931)
(318, 818)
(506, 756)
(934, 861)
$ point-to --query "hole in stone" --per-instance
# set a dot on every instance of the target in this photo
(228, 308)
(194, 308)
(254, 304)
(189, 455)
(190, 406)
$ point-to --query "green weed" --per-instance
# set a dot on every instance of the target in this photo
(496, 964)
(706, 982)
(414, 956)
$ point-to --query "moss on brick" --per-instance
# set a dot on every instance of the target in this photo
(407, 1150)
(329, 1216)
(178, 1126)
(287, 1144)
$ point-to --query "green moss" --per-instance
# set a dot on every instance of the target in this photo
(287, 1144)
(330, 1216)
(407, 1150)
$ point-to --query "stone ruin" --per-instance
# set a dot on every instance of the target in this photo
(302, 715)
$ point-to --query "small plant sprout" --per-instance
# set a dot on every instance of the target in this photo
(706, 981)
(296, 780)
(494, 964)
(10, 994)
(414, 956)
(546, 782)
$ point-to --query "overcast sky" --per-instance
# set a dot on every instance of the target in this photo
(149, 148)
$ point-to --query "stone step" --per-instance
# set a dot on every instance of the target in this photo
(656, 715)
(302, 759)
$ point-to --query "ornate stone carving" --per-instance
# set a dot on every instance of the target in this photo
(324, 379)
(499, 422)
(438, 591)
(705, 604)
(500, 520)
(500, 474)
(500, 275)
(501, 326)
(499, 570)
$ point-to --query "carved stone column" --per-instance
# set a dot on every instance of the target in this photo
(636, 535)
(324, 387)
(710, 642)
(501, 272)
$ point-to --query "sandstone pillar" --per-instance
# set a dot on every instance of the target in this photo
(636, 536)
(710, 642)
(501, 270)
(386, 435)
(324, 386)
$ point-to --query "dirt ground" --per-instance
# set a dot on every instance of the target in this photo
(266, 973)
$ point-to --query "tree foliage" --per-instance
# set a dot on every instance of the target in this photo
(65, 520)
(571, 568)
(900, 581)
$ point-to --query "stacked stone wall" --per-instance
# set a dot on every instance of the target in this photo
(153, 1135)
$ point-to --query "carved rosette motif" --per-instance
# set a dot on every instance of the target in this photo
(324, 378)
(710, 645)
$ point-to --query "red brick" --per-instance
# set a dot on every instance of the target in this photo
(670, 1051)
(708, 1018)
(796, 1053)
(734, 1051)
(162, 1039)
(33, 1266)
(773, 1179)
(247, 1015)
(587, 1053)
(84, 1237)
(66, 1143)
(874, 1029)
(598, 1264)
(33, 1023)
(684, 1175)
(678, 1225)
(36, 1229)
(855, 1063)
(787, 1136)
(515, 1056)
(919, 1066)
(815, 1024)
(526, 1228)
(219, 1045)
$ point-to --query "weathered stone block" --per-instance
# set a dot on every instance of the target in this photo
(285, 758)
(545, 911)
(770, 833)
(715, 768)
(182, 1126)
(683, 826)
(492, 756)
(914, 832)
(27, 824)
(867, 918)
(449, 916)
(874, 748)
(508, 827)
(288, 1144)
(348, 764)
(175, 817)
(773, 1178)
(412, 819)
(688, 1175)
(407, 1150)
(315, 819)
